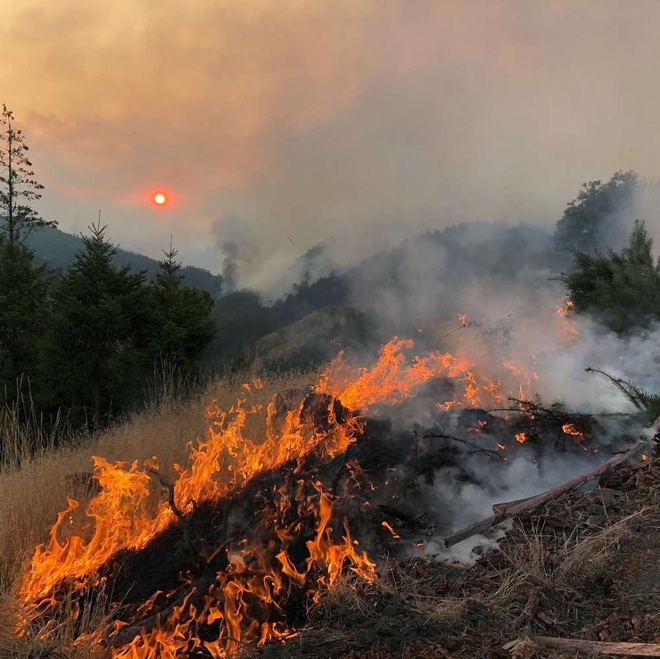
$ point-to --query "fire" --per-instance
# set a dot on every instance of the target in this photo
(569, 328)
(243, 602)
(524, 379)
(394, 378)
(572, 429)
(567, 309)
(521, 437)
(393, 533)
(251, 582)
(120, 516)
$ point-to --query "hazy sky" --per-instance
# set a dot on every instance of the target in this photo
(283, 122)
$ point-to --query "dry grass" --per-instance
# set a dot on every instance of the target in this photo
(31, 495)
(72, 633)
(560, 573)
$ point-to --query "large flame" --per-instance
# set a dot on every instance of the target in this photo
(244, 603)
(394, 378)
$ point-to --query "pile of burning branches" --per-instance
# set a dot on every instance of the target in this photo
(249, 535)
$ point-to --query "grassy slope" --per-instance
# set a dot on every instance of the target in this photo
(585, 566)
(31, 497)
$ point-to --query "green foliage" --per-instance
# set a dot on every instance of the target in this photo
(644, 401)
(22, 300)
(97, 311)
(621, 290)
(18, 186)
(241, 319)
(182, 323)
(589, 220)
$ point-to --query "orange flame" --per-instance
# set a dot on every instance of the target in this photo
(569, 327)
(394, 378)
(126, 514)
(521, 437)
(394, 534)
(572, 429)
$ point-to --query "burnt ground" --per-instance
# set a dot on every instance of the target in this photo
(585, 566)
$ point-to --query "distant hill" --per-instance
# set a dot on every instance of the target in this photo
(417, 288)
(57, 249)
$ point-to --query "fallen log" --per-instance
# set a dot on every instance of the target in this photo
(506, 505)
(594, 647)
(515, 509)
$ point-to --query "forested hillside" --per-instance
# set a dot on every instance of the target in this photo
(57, 249)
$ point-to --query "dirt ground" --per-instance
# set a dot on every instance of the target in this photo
(585, 566)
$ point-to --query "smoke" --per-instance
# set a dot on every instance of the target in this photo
(351, 126)
(239, 250)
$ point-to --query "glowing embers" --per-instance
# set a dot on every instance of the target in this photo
(569, 328)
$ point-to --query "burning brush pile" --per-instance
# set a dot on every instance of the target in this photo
(280, 504)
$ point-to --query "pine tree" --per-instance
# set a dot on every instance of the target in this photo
(96, 310)
(622, 289)
(183, 323)
(19, 187)
(22, 284)
(22, 313)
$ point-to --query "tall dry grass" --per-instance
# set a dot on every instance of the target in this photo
(34, 490)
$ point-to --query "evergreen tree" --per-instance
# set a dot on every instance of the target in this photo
(18, 186)
(22, 314)
(22, 284)
(98, 310)
(182, 315)
(622, 290)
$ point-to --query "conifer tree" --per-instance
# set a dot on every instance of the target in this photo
(622, 289)
(183, 323)
(22, 284)
(19, 188)
(22, 312)
(91, 337)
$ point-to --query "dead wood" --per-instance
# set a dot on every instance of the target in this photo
(526, 505)
(595, 647)
(475, 449)
(506, 505)
(190, 596)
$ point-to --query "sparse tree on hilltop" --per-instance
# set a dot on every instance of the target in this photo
(18, 185)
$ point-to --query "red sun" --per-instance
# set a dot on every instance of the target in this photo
(160, 198)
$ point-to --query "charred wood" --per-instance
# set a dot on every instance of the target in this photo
(518, 508)
(622, 649)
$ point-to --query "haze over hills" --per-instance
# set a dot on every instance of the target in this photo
(423, 283)
(57, 249)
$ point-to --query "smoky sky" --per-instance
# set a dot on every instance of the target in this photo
(354, 122)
